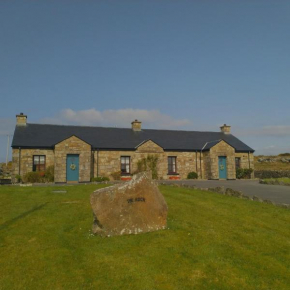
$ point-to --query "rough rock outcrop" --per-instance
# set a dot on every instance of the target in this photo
(134, 207)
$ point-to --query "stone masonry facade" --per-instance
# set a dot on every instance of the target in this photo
(93, 163)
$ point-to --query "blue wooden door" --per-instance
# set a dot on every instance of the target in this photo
(72, 167)
(222, 167)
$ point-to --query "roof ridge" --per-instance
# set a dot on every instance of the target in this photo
(61, 125)
(88, 126)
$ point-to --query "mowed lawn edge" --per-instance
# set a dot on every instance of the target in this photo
(212, 242)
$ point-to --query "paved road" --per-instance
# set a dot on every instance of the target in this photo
(275, 193)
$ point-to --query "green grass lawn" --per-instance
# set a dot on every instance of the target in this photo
(212, 242)
(282, 180)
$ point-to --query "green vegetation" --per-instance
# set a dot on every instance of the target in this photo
(150, 162)
(192, 175)
(38, 177)
(277, 181)
(5, 170)
(18, 178)
(116, 175)
(100, 179)
(277, 165)
(244, 173)
(212, 242)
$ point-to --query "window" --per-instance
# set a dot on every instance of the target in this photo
(39, 163)
(238, 162)
(125, 164)
(172, 165)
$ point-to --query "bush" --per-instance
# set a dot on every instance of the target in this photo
(33, 177)
(192, 175)
(244, 173)
(284, 154)
(116, 175)
(49, 174)
(150, 162)
(18, 178)
(100, 179)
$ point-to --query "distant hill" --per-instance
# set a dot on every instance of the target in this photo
(279, 162)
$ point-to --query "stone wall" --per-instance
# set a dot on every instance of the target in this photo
(107, 162)
(73, 145)
(221, 149)
(206, 166)
(149, 147)
(247, 160)
(26, 156)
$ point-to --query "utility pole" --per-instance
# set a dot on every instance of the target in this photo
(7, 152)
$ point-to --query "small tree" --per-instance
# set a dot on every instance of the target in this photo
(150, 162)
(49, 173)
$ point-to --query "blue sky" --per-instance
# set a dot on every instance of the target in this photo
(184, 65)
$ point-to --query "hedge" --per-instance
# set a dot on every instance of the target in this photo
(262, 174)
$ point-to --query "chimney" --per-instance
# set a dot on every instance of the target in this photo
(21, 120)
(136, 125)
(226, 129)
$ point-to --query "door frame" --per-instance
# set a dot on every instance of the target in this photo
(78, 167)
(226, 169)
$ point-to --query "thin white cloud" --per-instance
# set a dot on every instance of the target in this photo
(116, 118)
(266, 131)
(272, 150)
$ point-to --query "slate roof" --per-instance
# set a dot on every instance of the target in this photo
(46, 136)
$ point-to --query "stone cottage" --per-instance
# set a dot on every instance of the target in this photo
(79, 153)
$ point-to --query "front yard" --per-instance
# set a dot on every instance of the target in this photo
(212, 242)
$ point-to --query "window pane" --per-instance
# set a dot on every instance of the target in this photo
(238, 162)
(172, 164)
(125, 164)
(39, 163)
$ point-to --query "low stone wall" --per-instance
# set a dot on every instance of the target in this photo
(273, 182)
(229, 192)
(262, 174)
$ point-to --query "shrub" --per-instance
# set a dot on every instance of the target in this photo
(116, 175)
(18, 178)
(49, 174)
(244, 173)
(150, 162)
(284, 154)
(100, 179)
(192, 175)
(32, 177)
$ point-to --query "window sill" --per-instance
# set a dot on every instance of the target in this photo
(172, 173)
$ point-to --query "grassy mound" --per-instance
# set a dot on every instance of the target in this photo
(212, 242)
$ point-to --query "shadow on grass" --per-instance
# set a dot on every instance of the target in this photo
(12, 221)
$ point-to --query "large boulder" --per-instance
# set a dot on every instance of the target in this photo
(134, 207)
